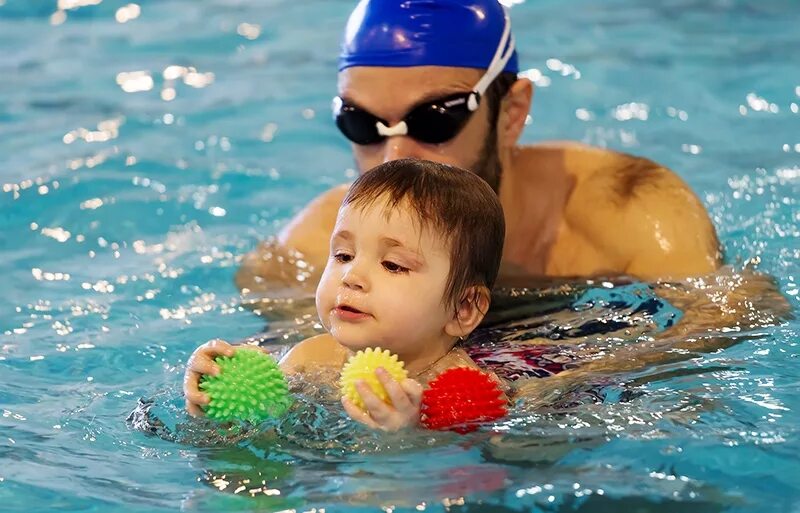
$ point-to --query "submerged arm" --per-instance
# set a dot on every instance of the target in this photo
(724, 302)
(719, 310)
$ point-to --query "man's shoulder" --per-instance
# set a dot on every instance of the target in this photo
(315, 220)
(651, 214)
(331, 198)
(604, 179)
(636, 209)
(607, 173)
(626, 181)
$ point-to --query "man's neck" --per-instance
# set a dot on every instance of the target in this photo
(533, 195)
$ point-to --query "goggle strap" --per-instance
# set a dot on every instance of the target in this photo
(336, 106)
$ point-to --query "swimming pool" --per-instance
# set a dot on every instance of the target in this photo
(144, 147)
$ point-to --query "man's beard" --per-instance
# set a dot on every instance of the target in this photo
(488, 166)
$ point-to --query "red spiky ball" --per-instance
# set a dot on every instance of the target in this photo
(459, 398)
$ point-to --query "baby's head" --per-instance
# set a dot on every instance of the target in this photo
(416, 249)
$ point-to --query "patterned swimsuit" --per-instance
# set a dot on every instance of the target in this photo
(512, 361)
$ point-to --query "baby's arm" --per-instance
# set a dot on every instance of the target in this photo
(311, 354)
(323, 351)
(314, 354)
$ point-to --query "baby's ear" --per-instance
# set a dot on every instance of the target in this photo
(470, 311)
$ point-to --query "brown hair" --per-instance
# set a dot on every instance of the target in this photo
(495, 93)
(488, 165)
(456, 203)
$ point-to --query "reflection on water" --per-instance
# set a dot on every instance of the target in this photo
(147, 146)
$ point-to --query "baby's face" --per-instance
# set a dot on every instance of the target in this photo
(384, 282)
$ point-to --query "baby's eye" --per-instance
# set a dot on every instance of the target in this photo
(342, 258)
(393, 267)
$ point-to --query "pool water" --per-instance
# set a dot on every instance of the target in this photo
(146, 147)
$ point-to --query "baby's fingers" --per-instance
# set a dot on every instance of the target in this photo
(198, 398)
(202, 364)
(202, 360)
(397, 393)
(194, 397)
(358, 414)
(193, 409)
(374, 405)
(218, 347)
(413, 390)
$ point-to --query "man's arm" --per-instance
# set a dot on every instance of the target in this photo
(645, 218)
(727, 301)
(667, 237)
(719, 310)
(289, 266)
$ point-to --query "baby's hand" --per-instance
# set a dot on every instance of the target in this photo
(202, 362)
(406, 397)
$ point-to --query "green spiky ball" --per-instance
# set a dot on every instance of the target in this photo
(250, 386)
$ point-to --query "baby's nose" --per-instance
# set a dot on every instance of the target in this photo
(355, 278)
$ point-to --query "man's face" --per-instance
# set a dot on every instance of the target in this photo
(390, 93)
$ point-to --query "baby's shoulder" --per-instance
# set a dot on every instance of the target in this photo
(457, 357)
(313, 354)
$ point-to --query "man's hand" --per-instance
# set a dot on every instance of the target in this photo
(202, 362)
(406, 397)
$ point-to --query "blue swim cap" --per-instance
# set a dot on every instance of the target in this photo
(402, 33)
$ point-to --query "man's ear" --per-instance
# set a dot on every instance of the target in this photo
(470, 312)
(514, 109)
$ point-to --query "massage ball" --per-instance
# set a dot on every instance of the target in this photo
(461, 397)
(250, 386)
(362, 365)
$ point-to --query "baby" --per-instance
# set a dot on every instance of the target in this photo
(414, 253)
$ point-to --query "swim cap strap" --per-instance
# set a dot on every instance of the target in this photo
(505, 49)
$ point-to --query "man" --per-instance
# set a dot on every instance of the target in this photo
(437, 80)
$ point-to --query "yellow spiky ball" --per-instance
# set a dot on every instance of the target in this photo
(362, 366)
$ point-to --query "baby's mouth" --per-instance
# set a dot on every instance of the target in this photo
(348, 308)
(349, 313)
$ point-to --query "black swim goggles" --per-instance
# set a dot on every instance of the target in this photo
(431, 122)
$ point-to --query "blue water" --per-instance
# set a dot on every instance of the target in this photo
(127, 201)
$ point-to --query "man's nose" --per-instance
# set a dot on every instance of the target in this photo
(355, 277)
(401, 147)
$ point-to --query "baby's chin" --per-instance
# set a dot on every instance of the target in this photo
(354, 341)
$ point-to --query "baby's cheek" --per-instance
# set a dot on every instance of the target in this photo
(409, 312)
(324, 300)
(399, 305)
